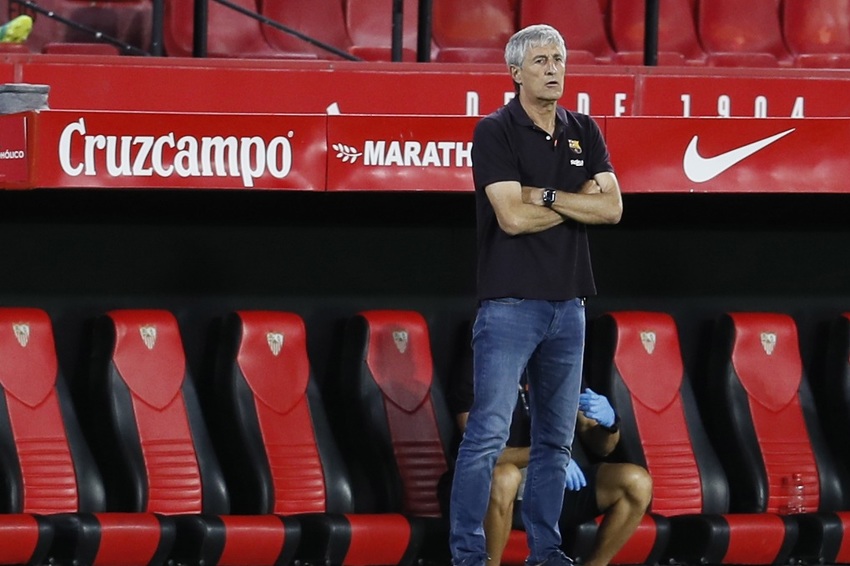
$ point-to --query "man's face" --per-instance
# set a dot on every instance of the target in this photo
(542, 74)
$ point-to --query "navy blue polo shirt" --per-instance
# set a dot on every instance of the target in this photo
(553, 264)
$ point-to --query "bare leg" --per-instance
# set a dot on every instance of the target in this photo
(499, 519)
(624, 491)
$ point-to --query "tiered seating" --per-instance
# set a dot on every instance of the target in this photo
(153, 445)
(636, 361)
(723, 33)
(473, 31)
(742, 34)
(278, 451)
(582, 26)
(51, 483)
(764, 413)
(677, 37)
(817, 32)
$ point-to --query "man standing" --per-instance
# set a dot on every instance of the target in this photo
(541, 174)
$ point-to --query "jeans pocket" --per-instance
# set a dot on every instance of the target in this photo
(507, 301)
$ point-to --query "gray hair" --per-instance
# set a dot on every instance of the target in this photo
(529, 37)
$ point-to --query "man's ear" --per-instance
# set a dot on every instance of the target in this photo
(515, 72)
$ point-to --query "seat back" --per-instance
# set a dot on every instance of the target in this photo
(742, 33)
(636, 361)
(323, 20)
(280, 454)
(46, 464)
(816, 26)
(818, 32)
(676, 28)
(474, 30)
(153, 437)
(229, 33)
(394, 399)
(370, 27)
(582, 25)
(764, 411)
(129, 21)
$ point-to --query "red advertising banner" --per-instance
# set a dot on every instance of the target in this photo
(14, 154)
(778, 96)
(68, 149)
(711, 155)
(400, 153)
(192, 151)
(7, 72)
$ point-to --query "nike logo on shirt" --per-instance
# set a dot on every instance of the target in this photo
(700, 169)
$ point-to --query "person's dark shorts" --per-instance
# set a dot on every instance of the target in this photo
(579, 506)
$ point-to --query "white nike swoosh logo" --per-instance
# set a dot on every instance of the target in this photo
(700, 169)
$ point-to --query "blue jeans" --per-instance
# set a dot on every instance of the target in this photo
(508, 337)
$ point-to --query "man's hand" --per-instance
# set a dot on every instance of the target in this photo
(596, 407)
(533, 195)
(575, 477)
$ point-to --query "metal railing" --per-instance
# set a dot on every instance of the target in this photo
(201, 29)
(199, 48)
(124, 47)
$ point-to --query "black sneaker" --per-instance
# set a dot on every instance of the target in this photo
(555, 559)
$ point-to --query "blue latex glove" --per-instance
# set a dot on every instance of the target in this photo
(596, 407)
(575, 477)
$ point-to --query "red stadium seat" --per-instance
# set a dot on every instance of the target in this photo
(582, 25)
(280, 455)
(229, 33)
(677, 36)
(129, 21)
(636, 361)
(764, 413)
(155, 449)
(323, 20)
(369, 24)
(51, 482)
(817, 32)
(473, 30)
(742, 34)
(388, 393)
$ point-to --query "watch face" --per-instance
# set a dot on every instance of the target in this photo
(549, 197)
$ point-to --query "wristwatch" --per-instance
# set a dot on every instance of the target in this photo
(615, 427)
(549, 196)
